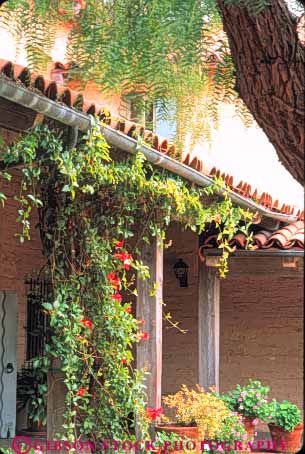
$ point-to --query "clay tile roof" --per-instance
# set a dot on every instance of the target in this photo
(288, 237)
(57, 91)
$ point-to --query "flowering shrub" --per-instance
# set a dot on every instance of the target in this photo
(247, 399)
(282, 414)
(232, 429)
(202, 409)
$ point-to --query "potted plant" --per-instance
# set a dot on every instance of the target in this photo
(31, 389)
(246, 400)
(199, 415)
(285, 424)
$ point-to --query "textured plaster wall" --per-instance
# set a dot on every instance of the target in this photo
(261, 326)
(180, 351)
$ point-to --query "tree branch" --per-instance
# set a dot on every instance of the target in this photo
(269, 61)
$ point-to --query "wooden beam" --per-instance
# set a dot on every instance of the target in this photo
(15, 117)
(56, 401)
(208, 327)
(149, 308)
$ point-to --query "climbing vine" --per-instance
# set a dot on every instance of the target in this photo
(96, 210)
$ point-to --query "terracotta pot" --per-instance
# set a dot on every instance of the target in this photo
(249, 426)
(285, 441)
(190, 432)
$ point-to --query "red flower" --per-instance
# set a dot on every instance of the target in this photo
(126, 265)
(117, 297)
(122, 256)
(114, 280)
(143, 335)
(119, 244)
(112, 277)
(124, 361)
(154, 413)
(128, 309)
(81, 392)
(87, 323)
(140, 322)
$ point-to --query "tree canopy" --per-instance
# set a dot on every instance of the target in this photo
(176, 50)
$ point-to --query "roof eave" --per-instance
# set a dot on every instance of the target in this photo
(65, 115)
(214, 252)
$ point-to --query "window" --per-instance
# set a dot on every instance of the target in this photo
(150, 115)
(37, 328)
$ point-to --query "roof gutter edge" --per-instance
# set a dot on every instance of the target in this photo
(66, 115)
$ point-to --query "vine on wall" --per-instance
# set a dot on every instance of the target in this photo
(90, 207)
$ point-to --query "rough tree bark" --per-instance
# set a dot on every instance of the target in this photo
(269, 61)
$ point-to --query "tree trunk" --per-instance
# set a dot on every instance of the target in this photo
(269, 61)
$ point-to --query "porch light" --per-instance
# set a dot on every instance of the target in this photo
(181, 271)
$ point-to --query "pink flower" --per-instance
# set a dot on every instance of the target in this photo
(270, 417)
(255, 422)
(240, 399)
(243, 393)
(255, 433)
(258, 395)
(255, 407)
(245, 436)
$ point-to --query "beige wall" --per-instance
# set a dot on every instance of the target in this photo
(261, 326)
(180, 351)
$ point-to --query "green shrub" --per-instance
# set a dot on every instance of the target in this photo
(284, 414)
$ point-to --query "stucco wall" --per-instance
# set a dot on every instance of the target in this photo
(180, 351)
(261, 326)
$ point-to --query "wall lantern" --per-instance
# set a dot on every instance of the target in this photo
(181, 270)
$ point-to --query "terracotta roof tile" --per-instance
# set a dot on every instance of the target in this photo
(288, 237)
(261, 238)
(55, 90)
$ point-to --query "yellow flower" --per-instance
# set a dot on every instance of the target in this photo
(198, 407)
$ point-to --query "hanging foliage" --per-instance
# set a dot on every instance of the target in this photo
(176, 53)
(166, 51)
